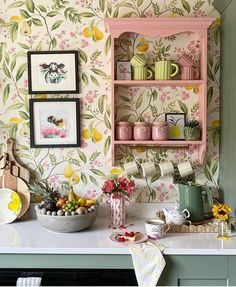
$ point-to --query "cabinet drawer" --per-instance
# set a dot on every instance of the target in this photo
(202, 267)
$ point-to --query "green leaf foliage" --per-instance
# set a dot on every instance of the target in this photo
(30, 5)
(186, 5)
(56, 25)
(20, 71)
(6, 93)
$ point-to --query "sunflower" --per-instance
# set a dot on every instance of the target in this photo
(221, 211)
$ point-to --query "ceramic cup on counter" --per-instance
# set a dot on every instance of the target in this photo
(156, 228)
(131, 167)
(185, 168)
(166, 167)
(142, 131)
(147, 167)
(124, 131)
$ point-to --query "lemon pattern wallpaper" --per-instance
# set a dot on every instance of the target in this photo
(27, 25)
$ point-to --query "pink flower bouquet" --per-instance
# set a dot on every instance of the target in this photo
(118, 186)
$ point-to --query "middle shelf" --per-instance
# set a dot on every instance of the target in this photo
(147, 83)
(163, 143)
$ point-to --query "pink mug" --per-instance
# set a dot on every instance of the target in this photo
(189, 73)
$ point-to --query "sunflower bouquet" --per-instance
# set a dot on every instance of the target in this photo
(221, 211)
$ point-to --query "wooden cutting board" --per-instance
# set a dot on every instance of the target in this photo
(17, 184)
(23, 172)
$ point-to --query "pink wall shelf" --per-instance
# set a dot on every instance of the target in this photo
(163, 27)
(158, 83)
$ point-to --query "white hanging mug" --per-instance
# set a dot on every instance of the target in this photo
(148, 167)
(131, 167)
(185, 168)
(166, 167)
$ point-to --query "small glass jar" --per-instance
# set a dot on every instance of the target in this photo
(142, 131)
(124, 131)
(160, 131)
(224, 230)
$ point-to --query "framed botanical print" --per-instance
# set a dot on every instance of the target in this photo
(54, 123)
(53, 72)
(176, 123)
(123, 70)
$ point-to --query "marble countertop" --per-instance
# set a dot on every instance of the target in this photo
(30, 237)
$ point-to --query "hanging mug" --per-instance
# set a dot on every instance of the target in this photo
(185, 168)
(166, 167)
(147, 167)
(131, 167)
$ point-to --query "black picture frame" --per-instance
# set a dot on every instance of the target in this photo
(53, 72)
(175, 117)
(46, 125)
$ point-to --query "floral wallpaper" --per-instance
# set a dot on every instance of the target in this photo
(27, 25)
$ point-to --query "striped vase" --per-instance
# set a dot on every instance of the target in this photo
(117, 208)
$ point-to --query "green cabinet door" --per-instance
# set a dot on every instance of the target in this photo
(202, 282)
(202, 270)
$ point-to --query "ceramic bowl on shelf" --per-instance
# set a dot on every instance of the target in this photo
(66, 224)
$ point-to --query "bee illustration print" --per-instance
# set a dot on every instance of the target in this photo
(56, 121)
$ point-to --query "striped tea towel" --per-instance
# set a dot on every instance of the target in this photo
(29, 281)
(148, 262)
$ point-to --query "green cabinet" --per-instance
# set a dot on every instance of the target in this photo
(202, 270)
(180, 270)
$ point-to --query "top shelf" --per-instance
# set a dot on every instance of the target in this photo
(158, 83)
(154, 27)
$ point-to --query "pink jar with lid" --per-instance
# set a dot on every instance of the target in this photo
(124, 131)
(160, 131)
(142, 131)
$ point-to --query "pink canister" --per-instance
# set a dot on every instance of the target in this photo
(142, 131)
(160, 131)
(124, 131)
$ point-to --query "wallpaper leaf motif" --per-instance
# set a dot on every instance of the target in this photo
(79, 25)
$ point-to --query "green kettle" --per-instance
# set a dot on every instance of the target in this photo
(191, 198)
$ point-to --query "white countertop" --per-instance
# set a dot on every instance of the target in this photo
(30, 237)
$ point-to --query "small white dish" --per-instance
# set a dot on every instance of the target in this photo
(10, 205)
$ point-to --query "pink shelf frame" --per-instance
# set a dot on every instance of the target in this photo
(163, 27)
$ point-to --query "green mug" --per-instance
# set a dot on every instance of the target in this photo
(142, 73)
(164, 70)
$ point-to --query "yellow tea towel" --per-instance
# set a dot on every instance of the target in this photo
(148, 262)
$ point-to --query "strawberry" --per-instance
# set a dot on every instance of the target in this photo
(121, 239)
(126, 234)
(131, 234)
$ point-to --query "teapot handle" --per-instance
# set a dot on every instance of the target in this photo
(187, 213)
(208, 194)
